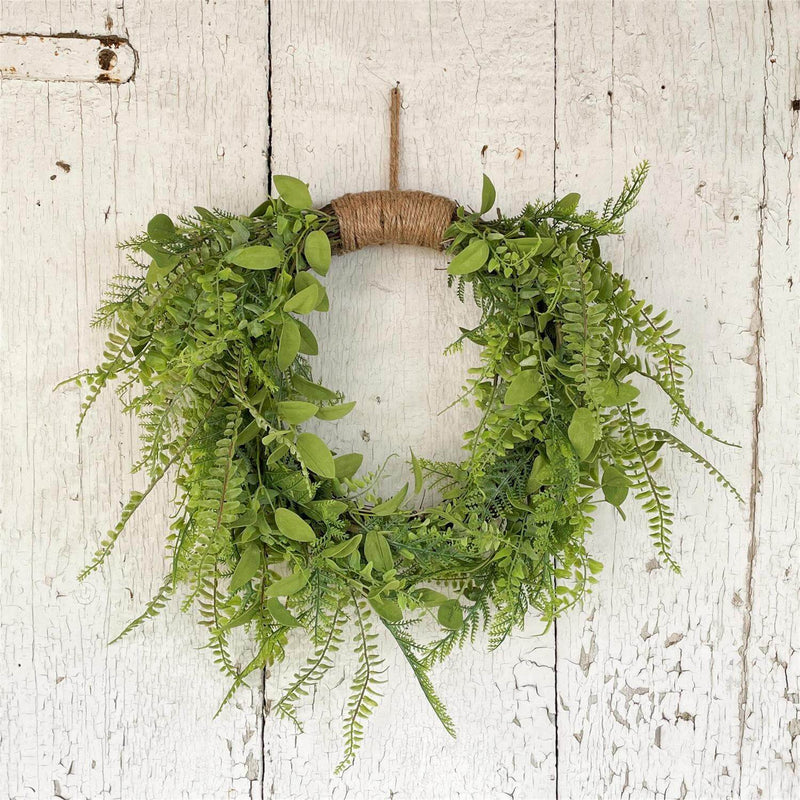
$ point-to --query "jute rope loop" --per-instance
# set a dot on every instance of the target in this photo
(394, 139)
(387, 217)
(392, 217)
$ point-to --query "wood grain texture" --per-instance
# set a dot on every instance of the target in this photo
(650, 669)
(391, 317)
(771, 647)
(661, 685)
(82, 59)
(83, 720)
(53, 17)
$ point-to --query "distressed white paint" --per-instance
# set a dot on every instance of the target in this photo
(650, 672)
(661, 686)
(28, 57)
(391, 317)
(80, 719)
(771, 716)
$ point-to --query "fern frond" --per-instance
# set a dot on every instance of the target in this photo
(476, 617)
(653, 497)
(364, 693)
(678, 444)
(420, 669)
(315, 669)
(153, 608)
(631, 187)
(107, 544)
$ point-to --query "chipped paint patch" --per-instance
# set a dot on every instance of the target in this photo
(66, 57)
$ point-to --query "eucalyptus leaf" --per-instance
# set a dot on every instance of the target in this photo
(304, 279)
(249, 534)
(615, 484)
(336, 412)
(567, 204)
(291, 584)
(157, 272)
(431, 598)
(342, 549)
(241, 619)
(317, 250)
(277, 454)
(304, 302)
(280, 613)
(388, 609)
(257, 256)
(391, 505)
(296, 411)
(488, 195)
(308, 342)
(531, 246)
(163, 260)
(451, 615)
(416, 468)
(523, 387)
(161, 228)
(315, 455)
(246, 569)
(470, 259)
(616, 393)
(311, 390)
(323, 304)
(583, 432)
(248, 433)
(347, 465)
(377, 550)
(289, 345)
(293, 526)
(293, 191)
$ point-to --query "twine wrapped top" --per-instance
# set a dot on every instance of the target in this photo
(392, 217)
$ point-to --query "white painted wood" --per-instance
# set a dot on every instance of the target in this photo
(668, 686)
(771, 715)
(477, 94)
(51, 17)
(28, 57)
(650, 670)
(80, 719)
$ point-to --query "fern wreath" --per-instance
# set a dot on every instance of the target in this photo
(275, 532)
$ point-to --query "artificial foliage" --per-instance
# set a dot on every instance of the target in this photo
(274, 531)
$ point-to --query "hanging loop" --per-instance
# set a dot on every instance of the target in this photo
(392, 217)
(394, 139)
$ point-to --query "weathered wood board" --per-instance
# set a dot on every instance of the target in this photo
(66, 58)
(661, 685)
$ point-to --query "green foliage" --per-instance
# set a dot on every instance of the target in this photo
(276, 532)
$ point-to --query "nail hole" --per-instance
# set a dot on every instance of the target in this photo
(106, 59)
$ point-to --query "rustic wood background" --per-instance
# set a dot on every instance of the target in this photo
(660, 686)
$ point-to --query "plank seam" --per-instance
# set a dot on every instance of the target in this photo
(755, 470)
(555, 178)
(263, 707)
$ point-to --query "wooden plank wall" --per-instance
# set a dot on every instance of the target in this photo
(661, 685)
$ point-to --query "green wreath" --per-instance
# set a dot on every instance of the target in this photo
(274, 531)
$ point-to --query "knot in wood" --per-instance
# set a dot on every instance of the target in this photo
(392, 217)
